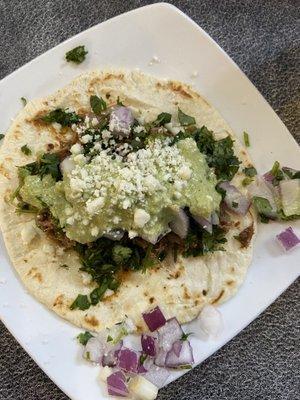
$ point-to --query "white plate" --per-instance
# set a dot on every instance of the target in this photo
(182, 47)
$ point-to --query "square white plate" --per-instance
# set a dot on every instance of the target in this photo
(131, 40)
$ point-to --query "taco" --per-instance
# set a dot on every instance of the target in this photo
(120, 192)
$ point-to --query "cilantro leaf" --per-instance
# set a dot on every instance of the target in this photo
(185, 336)
(184, 119)
(62, 117)
(24, 101)
(121, 254)
(97, 104)
(163, 118)
(83, 338)
(26, 150)
(246, 181)
(109, 338)
(81, 303)
(76, 55)
(246, 139)
(48, 163)
(1, 136)
(98, 293)
(250, 171)
(263, 207)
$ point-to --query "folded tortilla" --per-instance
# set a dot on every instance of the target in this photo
(181, 289)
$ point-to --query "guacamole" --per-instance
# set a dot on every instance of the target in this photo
(139, 194)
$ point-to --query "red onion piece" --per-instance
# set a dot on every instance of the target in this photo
(148, 345)
(157, 375)
(180, 224)
(234, 199)
(141, 367)
(268, 177)
(116, 384)
(203, 222)
(288, 238)
(177, 347)
(121, 120)
(128, 360)
(160, 358)
(185, 357)
(169, 333)
(110, 357)
(154, 318)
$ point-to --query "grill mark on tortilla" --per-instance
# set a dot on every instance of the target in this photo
(58, 301)
(175, 87)
(186, 294)
(219, 297)
(229, 283)
(4, 172)
(91, 321)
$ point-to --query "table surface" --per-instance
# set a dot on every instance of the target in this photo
(261, 36)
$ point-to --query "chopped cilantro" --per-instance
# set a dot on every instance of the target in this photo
(119, 102)
(83, 338)
(26, 150)
(24, 101)
(81, 303)
(109, 338)
(291, 173)
(246, 181)
(97, 104)
(277, 173)
(64, 266)
(1, 136)
(48, 163)
(234, 204)
(250, 171)
(184, 119)
(163, 118)
(143, 358)
(219, 153)
(263, 207)
(187, 366)
(246, 139)
(185, 336)
(76, 55)
(62, 117)
(121, 253)
(98, 293)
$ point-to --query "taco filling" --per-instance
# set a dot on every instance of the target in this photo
(125, 194)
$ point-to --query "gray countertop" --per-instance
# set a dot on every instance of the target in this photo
(263, 361)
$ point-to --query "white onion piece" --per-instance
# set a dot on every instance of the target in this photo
(209, 323)
(142, 389)
(185, 356)
(160, 358)
(67, 165)
(94, 350)
(234, 199)
(180, 224)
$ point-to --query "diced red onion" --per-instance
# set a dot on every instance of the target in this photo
(141, 367)
(157, 375)
(128, 360)
(116, 384)
(233, 195)
(94, 350)
(121, 120)
(180, 224)
(288, 238)
(177, 347)
(204, 223)
(185, 356)
(160, 358)
(268, 177)
(110, 357)
(169, 333)
(215, 220)
(154, 318)
(148, 345)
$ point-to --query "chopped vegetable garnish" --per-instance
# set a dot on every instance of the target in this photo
(184, 119)
(246, 181)
(250, 171)
(263, 207)
(81, 302)
(24, 101)
(163, 118)
(26, 150)
(154, 319)
(97, 104)
(76, 55)
(62, 117)
(1, 136)
(288, 238)
(246, 139)
(83, 338)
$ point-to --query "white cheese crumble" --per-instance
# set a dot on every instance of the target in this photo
(28, 233)
(76, 149)
(141, 217)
